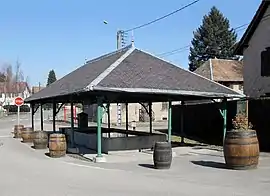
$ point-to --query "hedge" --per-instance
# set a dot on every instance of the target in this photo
(14, 108)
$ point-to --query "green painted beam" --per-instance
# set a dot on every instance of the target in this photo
(99, 118)
(223, 112)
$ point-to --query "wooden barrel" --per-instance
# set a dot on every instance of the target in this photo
(162, 155)
(27, 134)
(241, 149)
(57, 145)
(40, 140)
(18, 131)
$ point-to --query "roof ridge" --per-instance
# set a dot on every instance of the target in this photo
(226, 60)
(107, 71)
(173, 64)
(109, 54)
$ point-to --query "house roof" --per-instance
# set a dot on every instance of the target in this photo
(130, 70)
(222, 70)
(17, 87)
(252, 27)
(36, 89)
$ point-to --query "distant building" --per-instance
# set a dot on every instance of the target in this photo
(36, 89)
(8, 93)
(226, 72)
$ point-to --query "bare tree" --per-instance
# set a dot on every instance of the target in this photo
(8, 79)
(12, 81)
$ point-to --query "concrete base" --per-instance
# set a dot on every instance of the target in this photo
(73, 150)
(99, 159)
(174, 154)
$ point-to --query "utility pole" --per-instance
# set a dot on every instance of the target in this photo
(121, 42)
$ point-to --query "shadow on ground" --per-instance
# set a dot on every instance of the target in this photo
(149, 166)
(212, 164)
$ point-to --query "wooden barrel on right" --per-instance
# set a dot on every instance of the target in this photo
(241, 149)
(40, 140)
(18, 131)
(57, 145)
(162, 155)
(27, 135)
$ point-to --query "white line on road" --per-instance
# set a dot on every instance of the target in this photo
(5, 136)
(94, 167)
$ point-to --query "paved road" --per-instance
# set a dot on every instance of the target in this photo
(28, 172)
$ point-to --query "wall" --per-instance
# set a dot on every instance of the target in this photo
(203, 121)
(133, 112)
(254, 84)
(258, 111)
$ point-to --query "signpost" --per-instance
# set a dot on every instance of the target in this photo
(19, 102)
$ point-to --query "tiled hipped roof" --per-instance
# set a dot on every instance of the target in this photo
(133, 71)
(222, 70)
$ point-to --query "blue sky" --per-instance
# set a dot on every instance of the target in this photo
(61, 34)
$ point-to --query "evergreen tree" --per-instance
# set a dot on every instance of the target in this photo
(213, 39)
(51, 77)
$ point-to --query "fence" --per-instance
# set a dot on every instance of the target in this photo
(204, 121)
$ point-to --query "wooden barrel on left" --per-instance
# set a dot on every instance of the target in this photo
(18, 131)
(57, 145)
(162, 155)
(27, 134)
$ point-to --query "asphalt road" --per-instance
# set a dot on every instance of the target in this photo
(28, 172)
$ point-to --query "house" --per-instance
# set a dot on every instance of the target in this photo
(255, 47)
(8, 93)
(226, 72)
(36, 89)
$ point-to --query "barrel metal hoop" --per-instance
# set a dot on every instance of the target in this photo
(241, 157)
(239, 143)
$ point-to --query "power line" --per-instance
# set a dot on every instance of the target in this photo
(165, 16)
(185, 48)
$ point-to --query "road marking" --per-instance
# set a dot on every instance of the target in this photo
(94, 167)
(5, 136)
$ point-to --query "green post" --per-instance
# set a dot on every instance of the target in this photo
(170, 122)
(223, 112)
(99, 117)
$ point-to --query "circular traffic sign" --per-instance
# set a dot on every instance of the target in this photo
(19, 101)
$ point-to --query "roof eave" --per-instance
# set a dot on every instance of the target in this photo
(171, 92)
(243, 43)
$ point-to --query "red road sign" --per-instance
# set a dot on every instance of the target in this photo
(19, 101)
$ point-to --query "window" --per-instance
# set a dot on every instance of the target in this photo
(164, 106)
(265, 62)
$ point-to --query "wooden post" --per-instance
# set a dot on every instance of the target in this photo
(170, 122)
(182, 122)
(150, 117)
(72, 122)
(126, 119)
(41, 117)
(33, 115)
(54, 115)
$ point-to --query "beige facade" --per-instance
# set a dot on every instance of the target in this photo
(160, 112)
(254, 84)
